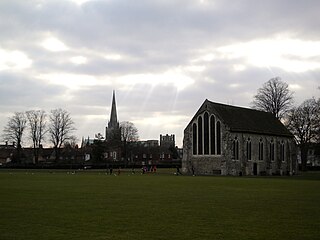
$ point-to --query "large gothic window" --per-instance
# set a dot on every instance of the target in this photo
(194, 139)
(260, 150)
(282, 151)
(200, 145)
(213, 134)
(272, 150)
(249, 149)
(206, 133)
(218, 138)
(235, 149)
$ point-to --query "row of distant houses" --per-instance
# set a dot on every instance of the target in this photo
(96, 153)
(141, 153)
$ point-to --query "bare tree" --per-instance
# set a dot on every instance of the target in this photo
(129, 133)
(71, 143)
(14, 130)
(274, 97)
(37, 126)
(304, 123)
(61, 127)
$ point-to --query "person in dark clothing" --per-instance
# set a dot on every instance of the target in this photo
(178, 171)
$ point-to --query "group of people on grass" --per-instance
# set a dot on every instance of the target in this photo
(144, 169)
(149, 169)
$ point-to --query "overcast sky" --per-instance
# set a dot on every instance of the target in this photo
(163, 58)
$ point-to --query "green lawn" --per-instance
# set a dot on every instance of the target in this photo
(92, 205)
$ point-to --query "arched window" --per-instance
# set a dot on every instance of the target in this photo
(249, 149)
(282, 157)
(200, 145)
(218, 138)
(194, 139)
(213, 134)
(272, 150)
(260, 150)
(235, 149)
(206, 133)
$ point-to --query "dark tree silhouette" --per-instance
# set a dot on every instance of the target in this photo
(14, 130)
(60, 130)
(274, 97)
(37, 126)
(304, 123)
(129, 133)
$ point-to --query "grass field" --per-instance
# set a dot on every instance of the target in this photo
(93, 205)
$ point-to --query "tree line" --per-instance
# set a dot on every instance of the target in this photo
(58, 127)
(303, 120)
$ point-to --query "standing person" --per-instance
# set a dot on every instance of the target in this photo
(178, 171)
(192, 169)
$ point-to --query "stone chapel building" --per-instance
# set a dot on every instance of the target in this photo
(229, 140)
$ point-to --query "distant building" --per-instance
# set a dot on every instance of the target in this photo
(313, 157)
(106, 151)
(113, 127)
(86, 142)
(8, 146)
(229, 140)
(6, 155)
(150, 153)
(139, 153)
(149, 143)
(167, 140)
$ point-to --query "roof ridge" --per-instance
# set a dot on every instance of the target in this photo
(238, 107)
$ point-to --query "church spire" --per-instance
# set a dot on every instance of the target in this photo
(113, 128)
(113, 123)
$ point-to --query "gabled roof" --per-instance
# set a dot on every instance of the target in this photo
(240, 119)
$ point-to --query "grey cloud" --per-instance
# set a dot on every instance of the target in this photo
(18, 90)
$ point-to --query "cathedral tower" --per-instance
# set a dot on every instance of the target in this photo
(113, 128)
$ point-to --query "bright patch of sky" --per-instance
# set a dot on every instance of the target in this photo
(114, 57)
(14, 60)
(54, 45)
(80, 2)
(78, 60)
(292, 55)
(295, 86)
(174, 77)
(71, 81)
